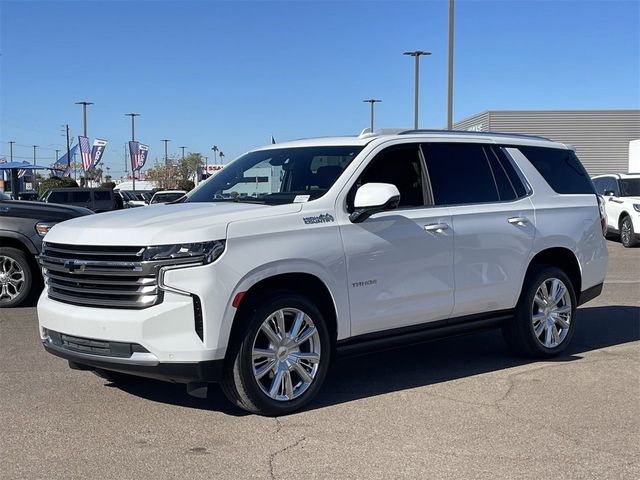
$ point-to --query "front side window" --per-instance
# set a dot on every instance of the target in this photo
(277, 176)
(460, 173)
(401, 166)
(57, 197)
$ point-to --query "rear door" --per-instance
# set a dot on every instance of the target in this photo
(492, 219)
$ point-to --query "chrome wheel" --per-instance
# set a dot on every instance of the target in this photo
(11, 279)
(551, 313)
(626, 231)
(286, 354)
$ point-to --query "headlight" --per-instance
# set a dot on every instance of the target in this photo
(203, 252)
(636, 207)
(43, 227)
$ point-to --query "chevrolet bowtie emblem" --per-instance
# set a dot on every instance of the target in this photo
(74, 265)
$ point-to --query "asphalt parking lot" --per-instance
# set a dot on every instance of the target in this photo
(456, 408)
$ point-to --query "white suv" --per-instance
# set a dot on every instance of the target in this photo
(300, 250)
(622, 205)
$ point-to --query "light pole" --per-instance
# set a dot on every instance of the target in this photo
(166, 160)
(450, 74)
(11, 142)
(84, 115)
(416, 54)
(214, 149)
(182, 148)
(372, 101)
(34, 154)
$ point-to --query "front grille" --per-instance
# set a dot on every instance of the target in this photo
(107, 277)
(92, 346)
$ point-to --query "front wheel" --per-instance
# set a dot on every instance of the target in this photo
(16, 277)
(627, 235)
(544, 319)
(278, 362)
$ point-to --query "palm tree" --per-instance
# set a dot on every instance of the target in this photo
(221, 156)
(215, 149)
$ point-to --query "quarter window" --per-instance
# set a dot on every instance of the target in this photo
(80, 197)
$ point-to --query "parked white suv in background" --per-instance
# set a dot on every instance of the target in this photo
(622, 204)
(300, 250)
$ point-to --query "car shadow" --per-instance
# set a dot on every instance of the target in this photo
(377, 373)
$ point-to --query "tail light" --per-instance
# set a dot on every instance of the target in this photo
(603, 214)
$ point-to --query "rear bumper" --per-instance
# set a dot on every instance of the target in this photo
(143, 364)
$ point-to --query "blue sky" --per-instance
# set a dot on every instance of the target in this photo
(233, 73)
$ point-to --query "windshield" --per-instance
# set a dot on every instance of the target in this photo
(277, 176)
(166, 197)
(630, 187)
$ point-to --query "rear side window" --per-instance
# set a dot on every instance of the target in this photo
(101, 196)
(459, 173)
(560, 168)
(80, 197)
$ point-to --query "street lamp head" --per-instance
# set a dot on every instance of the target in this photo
(84, 103)
(372, 100)
(132, 114)
(417, 53)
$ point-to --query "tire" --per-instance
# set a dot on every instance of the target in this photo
(547, 335)
(16, 278)
(251, 382)
(627, 235)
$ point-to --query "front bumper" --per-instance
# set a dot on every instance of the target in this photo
(112, 356)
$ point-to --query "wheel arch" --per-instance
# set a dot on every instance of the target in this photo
(562, 258)
(304, 283)
(17, 240)
(623, 214)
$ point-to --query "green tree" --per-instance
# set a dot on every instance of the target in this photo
(187, 167)
(56, 182)
(187, 185)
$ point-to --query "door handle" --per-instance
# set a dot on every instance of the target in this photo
(517, 220)
(436, 227)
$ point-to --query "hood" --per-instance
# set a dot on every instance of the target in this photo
(47, 212)
(162, 224)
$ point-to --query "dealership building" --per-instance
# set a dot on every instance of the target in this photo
(600, 137)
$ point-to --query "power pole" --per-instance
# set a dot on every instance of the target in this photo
(68, 146)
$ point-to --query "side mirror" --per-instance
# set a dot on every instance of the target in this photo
(374, 198)
(609, 193)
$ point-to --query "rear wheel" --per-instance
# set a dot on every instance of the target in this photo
(544, 319)
(627, 235)
(16, 278)
(279, 361)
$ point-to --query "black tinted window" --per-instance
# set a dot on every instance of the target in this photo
(560, 168)
(401, 166)
(515, 177)
(57, 197)
(101, 196)
(80, 197)
(459, 173)
(503, 183)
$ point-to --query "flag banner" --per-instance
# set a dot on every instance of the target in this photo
(143, 153)
(85, 152)
(4, 172)
(21, 173)
(134, 153)
(64, 162)
(97, 150)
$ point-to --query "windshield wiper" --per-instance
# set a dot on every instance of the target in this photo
(240, 200)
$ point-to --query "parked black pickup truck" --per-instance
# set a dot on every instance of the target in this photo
(22, 226)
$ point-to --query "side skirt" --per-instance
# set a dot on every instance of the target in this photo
(422, 333)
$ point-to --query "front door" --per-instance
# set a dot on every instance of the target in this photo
(399, 263)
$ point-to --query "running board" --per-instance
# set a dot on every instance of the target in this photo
(422, 333)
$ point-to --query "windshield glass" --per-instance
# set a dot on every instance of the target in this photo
(277, 176)
(166, 197)
(630, 187)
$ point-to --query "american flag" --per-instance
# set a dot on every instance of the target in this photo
(134, 152)
(21, 173)
(85, 153)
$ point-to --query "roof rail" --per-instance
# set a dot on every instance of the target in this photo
(470, 132)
